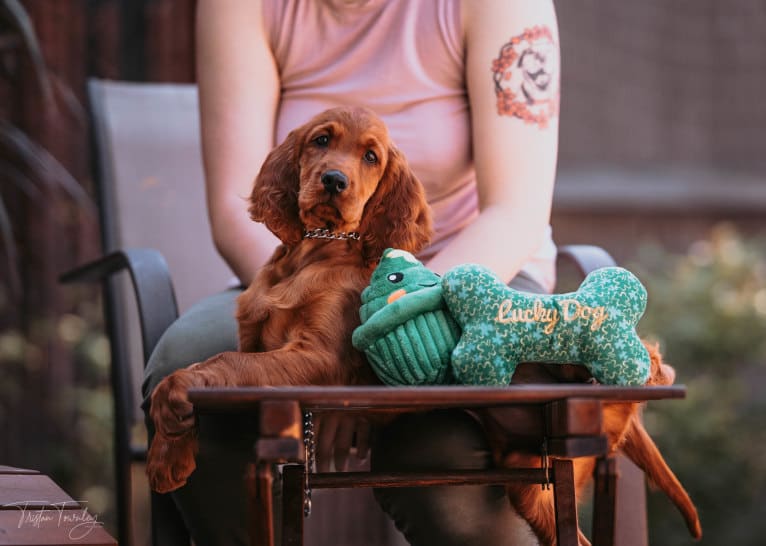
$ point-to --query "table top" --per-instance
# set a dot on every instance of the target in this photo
(231, 399)
(36, 511)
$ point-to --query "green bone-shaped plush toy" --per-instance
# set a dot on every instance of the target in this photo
(501, 326)
(406, 332)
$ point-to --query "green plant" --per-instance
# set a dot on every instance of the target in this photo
(707, 308)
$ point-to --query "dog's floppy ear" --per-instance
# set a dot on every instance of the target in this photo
(397, 215)
(274, 199)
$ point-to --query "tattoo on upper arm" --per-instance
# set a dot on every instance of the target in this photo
(526, 76)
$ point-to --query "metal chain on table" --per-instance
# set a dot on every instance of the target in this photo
(310, 451)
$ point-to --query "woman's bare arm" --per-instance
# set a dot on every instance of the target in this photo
(515, 131)
(239, 95)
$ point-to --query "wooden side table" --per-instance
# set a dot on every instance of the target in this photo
(36, 511)
(566, 418)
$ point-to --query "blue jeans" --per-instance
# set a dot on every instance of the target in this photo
(213, 502)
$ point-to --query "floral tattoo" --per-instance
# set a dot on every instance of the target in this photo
(526, 77)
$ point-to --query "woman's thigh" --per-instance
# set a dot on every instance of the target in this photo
(445, 515)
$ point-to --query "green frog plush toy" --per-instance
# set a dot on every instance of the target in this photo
(469, 327)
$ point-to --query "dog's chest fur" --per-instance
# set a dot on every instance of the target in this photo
(316, 284)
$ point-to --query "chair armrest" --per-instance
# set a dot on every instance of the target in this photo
(586, 258)
(153, 288)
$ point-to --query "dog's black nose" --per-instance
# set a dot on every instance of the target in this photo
(334, 181)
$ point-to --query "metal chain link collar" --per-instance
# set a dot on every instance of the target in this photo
(324, 233)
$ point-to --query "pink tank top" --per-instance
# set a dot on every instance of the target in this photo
(405, 61)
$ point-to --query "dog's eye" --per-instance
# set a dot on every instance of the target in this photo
(395, 277)
(370, 157)
(322, 140)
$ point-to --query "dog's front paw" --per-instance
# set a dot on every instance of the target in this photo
(170, 461)
(170, 409)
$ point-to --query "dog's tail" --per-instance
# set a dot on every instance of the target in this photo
(641, 449)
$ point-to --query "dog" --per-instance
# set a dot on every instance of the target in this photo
(624, 431)
(337, 193)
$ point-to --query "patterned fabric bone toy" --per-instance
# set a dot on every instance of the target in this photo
(594, 326)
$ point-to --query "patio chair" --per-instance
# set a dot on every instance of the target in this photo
(148, 160)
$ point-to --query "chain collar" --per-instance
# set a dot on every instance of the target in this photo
(323, 233)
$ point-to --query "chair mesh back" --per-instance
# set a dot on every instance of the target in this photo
(153, 188)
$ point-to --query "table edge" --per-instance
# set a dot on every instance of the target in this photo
(239, 398)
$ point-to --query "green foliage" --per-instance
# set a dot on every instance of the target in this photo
(707, 308)
(72, 438)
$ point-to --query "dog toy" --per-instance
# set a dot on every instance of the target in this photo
(406, 332)
(470, 328)
(594, 326)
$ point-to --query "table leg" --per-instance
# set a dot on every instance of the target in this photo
(260, 478)
(292, 505)
(565, 502)
(604, 500)
(280, 440)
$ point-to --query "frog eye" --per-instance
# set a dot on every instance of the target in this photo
(395, 277)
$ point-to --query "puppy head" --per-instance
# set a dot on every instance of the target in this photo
(343, 158)
(341, 172)
(322, 175)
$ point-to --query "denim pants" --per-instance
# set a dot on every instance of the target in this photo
(213, 502)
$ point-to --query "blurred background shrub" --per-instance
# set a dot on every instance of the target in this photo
(707, 308)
